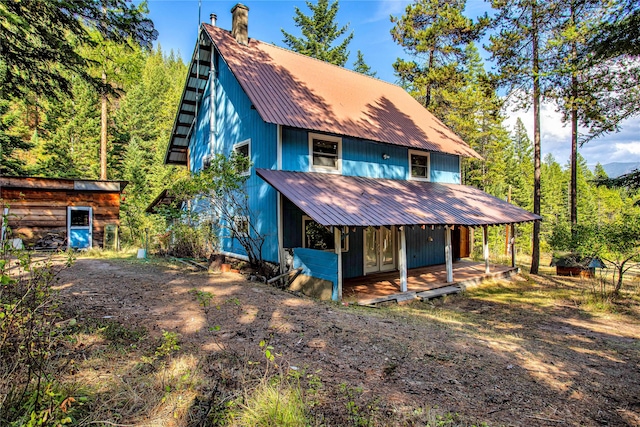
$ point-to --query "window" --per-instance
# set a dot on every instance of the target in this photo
(241, 226)
(325, 153)
(244, 149)
(419, 165)
(318, 237)
(79, 218)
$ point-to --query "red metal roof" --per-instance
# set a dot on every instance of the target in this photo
(338, 200)
(294, 90)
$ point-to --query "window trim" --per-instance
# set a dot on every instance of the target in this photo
(325, 169)
(235, 147)
(426, 154)
(345, 237)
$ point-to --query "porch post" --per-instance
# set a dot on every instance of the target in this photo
(448, 253)
(485, 247)
(402, 260)
(337, 235)
(513, 245)
(281, 259)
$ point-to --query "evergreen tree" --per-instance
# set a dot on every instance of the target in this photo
(520, 167)
(619, 34)
(71, 148)
(362, 67)
(320, 32)
(472, 110)
(142, 125)
(10, 143)
(516, 48)
(435, 33)
(555, 197)
(588, 93)
(39, 38)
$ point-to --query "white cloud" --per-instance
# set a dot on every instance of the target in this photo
(555, 138)
(388, 7)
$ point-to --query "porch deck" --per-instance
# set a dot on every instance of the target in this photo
(380, 287)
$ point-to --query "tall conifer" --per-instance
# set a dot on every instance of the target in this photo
(320, 33)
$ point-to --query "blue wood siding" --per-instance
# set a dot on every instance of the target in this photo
(420, 251)
(292, 230)
(295, 149)
(445, 168)
(318, 264)
(353, 259)
(236, 121)
(365, 158)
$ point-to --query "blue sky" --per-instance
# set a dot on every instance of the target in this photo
(177, 23)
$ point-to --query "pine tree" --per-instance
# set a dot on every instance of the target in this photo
(516, 47)
(362, 67)
(435, 33)
(320, 32)
(520, 167)
(10, 143)
(71, 148)
(472, 110)
(619, 34)
(142, 125)
(589, 94)
(39, 40)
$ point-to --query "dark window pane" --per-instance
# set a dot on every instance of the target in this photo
(419, 166)
(317, 237)
(79, 218)
(325, 153)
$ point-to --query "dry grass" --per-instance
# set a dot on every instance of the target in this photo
(501, 340)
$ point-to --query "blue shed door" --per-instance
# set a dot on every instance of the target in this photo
(79, 227)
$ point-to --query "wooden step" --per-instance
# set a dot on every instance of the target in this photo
(435, 293)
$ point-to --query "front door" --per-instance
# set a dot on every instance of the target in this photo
(379, 249)
(79, 227)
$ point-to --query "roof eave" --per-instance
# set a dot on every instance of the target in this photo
(204, 76)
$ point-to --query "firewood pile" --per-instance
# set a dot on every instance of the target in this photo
(51, 242)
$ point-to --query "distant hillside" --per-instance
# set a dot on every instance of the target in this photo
(616, 169)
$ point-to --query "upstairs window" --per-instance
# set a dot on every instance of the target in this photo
(325, 153)
(419, 165)
(244, 149)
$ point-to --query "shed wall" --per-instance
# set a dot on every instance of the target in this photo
(35, 212)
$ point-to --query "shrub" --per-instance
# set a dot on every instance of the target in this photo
(29, 392)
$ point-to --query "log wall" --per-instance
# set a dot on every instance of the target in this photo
(34, 212)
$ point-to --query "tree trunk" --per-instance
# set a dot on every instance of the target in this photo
(574, 134)
(535, 255)
(618, 287)
(427, 100)
(103, 131)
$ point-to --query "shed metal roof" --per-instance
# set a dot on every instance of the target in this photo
(295, 90)
(338, 200)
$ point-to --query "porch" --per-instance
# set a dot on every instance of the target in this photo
(381, 287)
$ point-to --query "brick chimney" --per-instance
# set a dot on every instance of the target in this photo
(240, 25)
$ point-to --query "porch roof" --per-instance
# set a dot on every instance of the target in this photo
(337, 200)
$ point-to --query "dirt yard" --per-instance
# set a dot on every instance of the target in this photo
(500, 355)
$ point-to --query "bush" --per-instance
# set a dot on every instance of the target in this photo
(29, 392)
(191, 241)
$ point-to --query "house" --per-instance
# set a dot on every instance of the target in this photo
(78, 211)
(350, 175)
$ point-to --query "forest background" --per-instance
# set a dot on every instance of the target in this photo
(55, 131)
